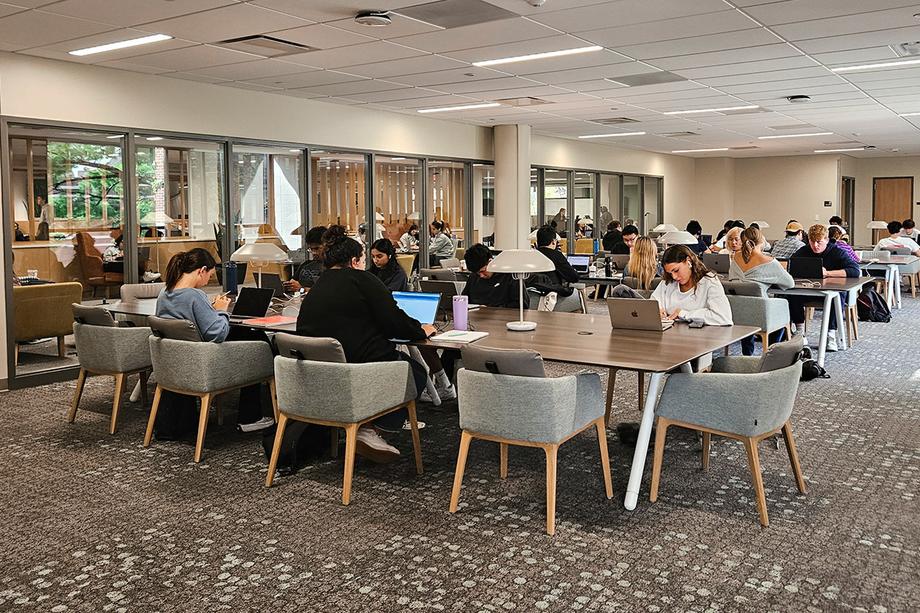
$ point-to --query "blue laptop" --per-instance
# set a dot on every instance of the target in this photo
(418, 305)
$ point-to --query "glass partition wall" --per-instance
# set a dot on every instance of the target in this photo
(339, 190)
(484, 204)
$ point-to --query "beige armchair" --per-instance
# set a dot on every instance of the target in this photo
(42, 311)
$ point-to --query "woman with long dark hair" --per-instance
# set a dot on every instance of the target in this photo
(386, 267)
(690, 291)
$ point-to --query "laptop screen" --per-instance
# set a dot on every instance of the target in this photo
(252, 302)
(806, 268)
(418, 306)
(579, 262)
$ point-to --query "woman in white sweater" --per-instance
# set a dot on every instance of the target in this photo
(689, 291)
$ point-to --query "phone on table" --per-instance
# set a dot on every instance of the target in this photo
(697, 324)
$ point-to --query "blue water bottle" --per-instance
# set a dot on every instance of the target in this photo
(230, 274)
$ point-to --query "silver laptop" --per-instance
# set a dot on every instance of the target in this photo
(636, 314)
(716, 262)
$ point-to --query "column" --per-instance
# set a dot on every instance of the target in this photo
(512, 186)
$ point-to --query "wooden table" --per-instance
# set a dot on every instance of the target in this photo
(828, 289)
(894, 267)
(588, 339)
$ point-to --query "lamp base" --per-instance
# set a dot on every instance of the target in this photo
(521, 326)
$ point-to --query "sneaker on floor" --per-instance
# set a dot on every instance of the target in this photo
(150, 277)
(447, 393)
(831, 341)
(265, 422)
(408, 426)
(371, 445)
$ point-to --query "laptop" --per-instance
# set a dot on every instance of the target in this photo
(419, 306)
(706, 238)
(446, 289)
(251, 302)
(580, 263)
(636, 314)
(619, 260)
(274, 283)
(716, 262)
(806, 268)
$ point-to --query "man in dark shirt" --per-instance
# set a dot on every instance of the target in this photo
(488, 288)
(307, 273)
(613, 235)
(624, 247)
(835, 262)
(564, 273)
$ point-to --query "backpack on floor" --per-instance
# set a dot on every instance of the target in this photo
(870, 306)
(810, 367)
(301, 444)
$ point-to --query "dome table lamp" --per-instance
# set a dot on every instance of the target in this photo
(679, 237)
(520, 263)
(259, 254)
(877, 225)
(665, 228)
(760, 224)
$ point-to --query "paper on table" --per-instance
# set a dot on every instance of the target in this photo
(459, 336)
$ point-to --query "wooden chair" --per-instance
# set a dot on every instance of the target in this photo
(527, 409)
(42, 311)
(316, 386)
(91, 263)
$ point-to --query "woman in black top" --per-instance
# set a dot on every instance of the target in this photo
(355, 308)
(386, 267)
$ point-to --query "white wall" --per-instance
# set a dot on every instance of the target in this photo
(868, 168)
(714, 193)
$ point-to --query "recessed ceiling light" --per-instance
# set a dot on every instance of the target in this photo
(124, 44)
(613, 134)
(716, 110)
(908, 114)
(537, 56)
(897, 64)
(462, 107)
(699, 150)
(795, 135)
(839, 150)
(154, 138)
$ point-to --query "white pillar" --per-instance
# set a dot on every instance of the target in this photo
(512, 186)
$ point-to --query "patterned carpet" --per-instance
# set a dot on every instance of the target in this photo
(93, 522)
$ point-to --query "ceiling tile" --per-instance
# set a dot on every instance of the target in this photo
(814, 71)
(6, 9)
(355, 87)
(747, 68)
(408, 66)
(846, 25)
(21, 29)
(248, 71)
(625, 12)
(307, 78)
(858, 41)
(329, 10)
(399, 26)
(320, 36)
(189, 76)
(667, 29)
(611, 71)
(406, 93)
(455, 75)
(191, 58)
(571, 63)
(479, 35)
(353, 55)
(752, 54)
(857, 56)
(794, 11)
(741, 39)
(482, 85)
(432, 102)
(227, 22)
(527, 47)
(131, 12)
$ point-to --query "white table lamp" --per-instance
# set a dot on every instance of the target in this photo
(665, 227)
(877, 225)
(259, 254)
(520, 263)
(679, 237)
(761, 224)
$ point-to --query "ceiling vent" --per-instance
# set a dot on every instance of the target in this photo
(678, 134)
(906, 49)
(266, 46)
(456, 13)
(648, 78)
(613, 121)
(525, 101)
(798, 98)
(373, 18)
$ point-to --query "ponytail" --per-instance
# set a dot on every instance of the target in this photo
(751, 238)
(185, 262)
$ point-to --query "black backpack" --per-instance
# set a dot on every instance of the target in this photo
(810, 368)
(302, 443)
(870, 306)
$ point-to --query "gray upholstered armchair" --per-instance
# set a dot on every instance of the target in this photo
(505, 397)
(184, 364)
(104, 348)
(315, 385)
(744, 398)
(750, 309)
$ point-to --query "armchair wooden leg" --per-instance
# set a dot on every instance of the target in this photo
(611, 383)
(351, 443)
(274, 393)
(416, 441)
(794, 457)
(276, 450)
(78, 393)
(605, 456)
(707, 439)
(764, 341)
(913, 284)
(660, 434)
(788, 331)
(116, 404)
(465, 439)
(16, 354)
(503, 460)
(551, 454)
(202, 425)
(750, 446)
(62, 350)
(157, 394)
(641, 376)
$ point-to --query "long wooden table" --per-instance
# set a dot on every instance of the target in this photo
(894, 267)
(575, 338)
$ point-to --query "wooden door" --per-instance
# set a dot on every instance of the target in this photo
(891, 199)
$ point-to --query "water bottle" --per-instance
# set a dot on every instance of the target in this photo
(230, 274)
(607, 270)
(461, 312)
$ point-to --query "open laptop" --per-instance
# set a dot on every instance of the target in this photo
(251, 302)
(580, 263)
(446, 289)
(806, 268)
(418, 305)
(619, 260)
(274, 283)
(636, 314)
(716, 262)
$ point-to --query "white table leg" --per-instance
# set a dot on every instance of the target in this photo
(838, 311)
(895, 284)
(825, 323)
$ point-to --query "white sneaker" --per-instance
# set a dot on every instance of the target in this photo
(371, 445)
(447, 393)
(831, 341)
(149, 276)
(408, 426)
(263, 423)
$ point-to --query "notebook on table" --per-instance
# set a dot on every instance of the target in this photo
(636, 314)
(806, 268)
(251, 302)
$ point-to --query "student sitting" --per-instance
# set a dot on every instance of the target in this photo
(182, 298)
(355, 308)
(838, 237)
(386, 268)
(613, 235)
(909, 229)
(751, 264)
(441, 246)
(732, 241)
(307, 273)
(896, 240)
(624, 247)
(408, 242)
(488, 288)
(835, 263)
(643, 263)
(694, 228)
(792, 242)
(689, 291)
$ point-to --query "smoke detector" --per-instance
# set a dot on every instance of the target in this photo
(798, 98)
(373, 18)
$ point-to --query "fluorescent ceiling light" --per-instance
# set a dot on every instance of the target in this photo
(613, 134)
(839, 150)
(462, 107)
(724, 108)
(124, 44)
(795, 135)
(114, 136)
(294, 150)
(876, 66)
(908, 114)
(537, 56)
(397, 159)
(154, 138)
(699, 150)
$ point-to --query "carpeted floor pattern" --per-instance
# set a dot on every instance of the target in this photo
(93, 522)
